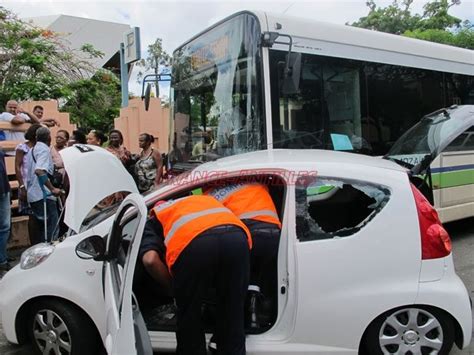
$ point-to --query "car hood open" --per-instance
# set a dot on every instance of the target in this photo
(423, 142)
(94, 173)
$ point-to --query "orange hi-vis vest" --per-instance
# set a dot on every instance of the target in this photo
(247, 201)
(185, 218)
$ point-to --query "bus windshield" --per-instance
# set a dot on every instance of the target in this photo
(216, 96)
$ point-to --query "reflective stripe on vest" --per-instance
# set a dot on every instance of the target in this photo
(250, 215)
(185, 218)
(188, 218)
(247, 201)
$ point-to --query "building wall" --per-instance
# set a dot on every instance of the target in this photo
(134, 120)
(51, 111)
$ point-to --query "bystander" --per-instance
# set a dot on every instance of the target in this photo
(41, 193)
(5, 214)
(17, 116)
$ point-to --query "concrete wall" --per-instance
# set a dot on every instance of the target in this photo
(134, 120)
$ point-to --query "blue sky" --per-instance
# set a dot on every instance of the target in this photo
(176, 21)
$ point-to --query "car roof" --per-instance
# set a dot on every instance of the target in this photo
(297, 159)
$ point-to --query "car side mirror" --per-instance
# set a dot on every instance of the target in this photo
(91, 248)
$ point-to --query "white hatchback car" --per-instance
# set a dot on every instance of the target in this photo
(364, 263)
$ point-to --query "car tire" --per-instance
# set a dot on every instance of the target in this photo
(57, 327)
(409, 331)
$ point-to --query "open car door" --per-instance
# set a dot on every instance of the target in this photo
(423, 142)
(126, 330)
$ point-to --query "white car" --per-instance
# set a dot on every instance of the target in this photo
(364, 264)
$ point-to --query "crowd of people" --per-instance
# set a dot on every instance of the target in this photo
(42, 180)
(235, 226)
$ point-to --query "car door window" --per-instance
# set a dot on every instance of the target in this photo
(329, 208)
(465, 141)
(124, 230)
(122, 250)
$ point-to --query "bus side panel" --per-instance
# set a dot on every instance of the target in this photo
(453, 181)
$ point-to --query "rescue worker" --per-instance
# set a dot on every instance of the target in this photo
(252, 203)
(197, 243)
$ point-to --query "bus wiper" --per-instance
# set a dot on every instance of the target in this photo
(181, 167)
(422, 165)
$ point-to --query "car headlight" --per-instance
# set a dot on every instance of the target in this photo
(35, 255)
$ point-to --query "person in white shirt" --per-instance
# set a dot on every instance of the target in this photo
(16, 116)
(40, 163)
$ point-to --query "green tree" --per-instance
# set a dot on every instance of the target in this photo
(36, 63)
(94, 103)
(436, 17)
(435, 24)
(395, 18)
(157, 58)
(463, 37)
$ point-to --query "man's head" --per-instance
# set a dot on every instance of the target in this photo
(43, 134)
(77, 137)
(38, 111)
(12, 107)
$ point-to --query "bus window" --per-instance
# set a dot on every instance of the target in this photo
(371, 103)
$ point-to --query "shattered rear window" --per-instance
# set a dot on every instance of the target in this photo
(328, 208)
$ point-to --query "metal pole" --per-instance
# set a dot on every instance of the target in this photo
(45, 216)
(123, 76)
(157, 82)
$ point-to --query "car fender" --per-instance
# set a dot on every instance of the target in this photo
(450, 295)
(61, 275)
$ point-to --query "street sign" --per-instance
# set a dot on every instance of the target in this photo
(131, 40)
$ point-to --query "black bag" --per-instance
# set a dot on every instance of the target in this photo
(56, 178)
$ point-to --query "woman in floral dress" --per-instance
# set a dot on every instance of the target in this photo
(149, 167)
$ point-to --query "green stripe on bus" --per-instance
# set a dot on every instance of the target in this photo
(453, 179)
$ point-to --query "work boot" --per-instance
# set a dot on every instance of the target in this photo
(212, 346)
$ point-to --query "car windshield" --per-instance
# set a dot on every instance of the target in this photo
(99, 213)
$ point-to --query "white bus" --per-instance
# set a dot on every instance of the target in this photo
(259, 81)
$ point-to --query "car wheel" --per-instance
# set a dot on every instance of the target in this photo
(410, 331)
(61, 329)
